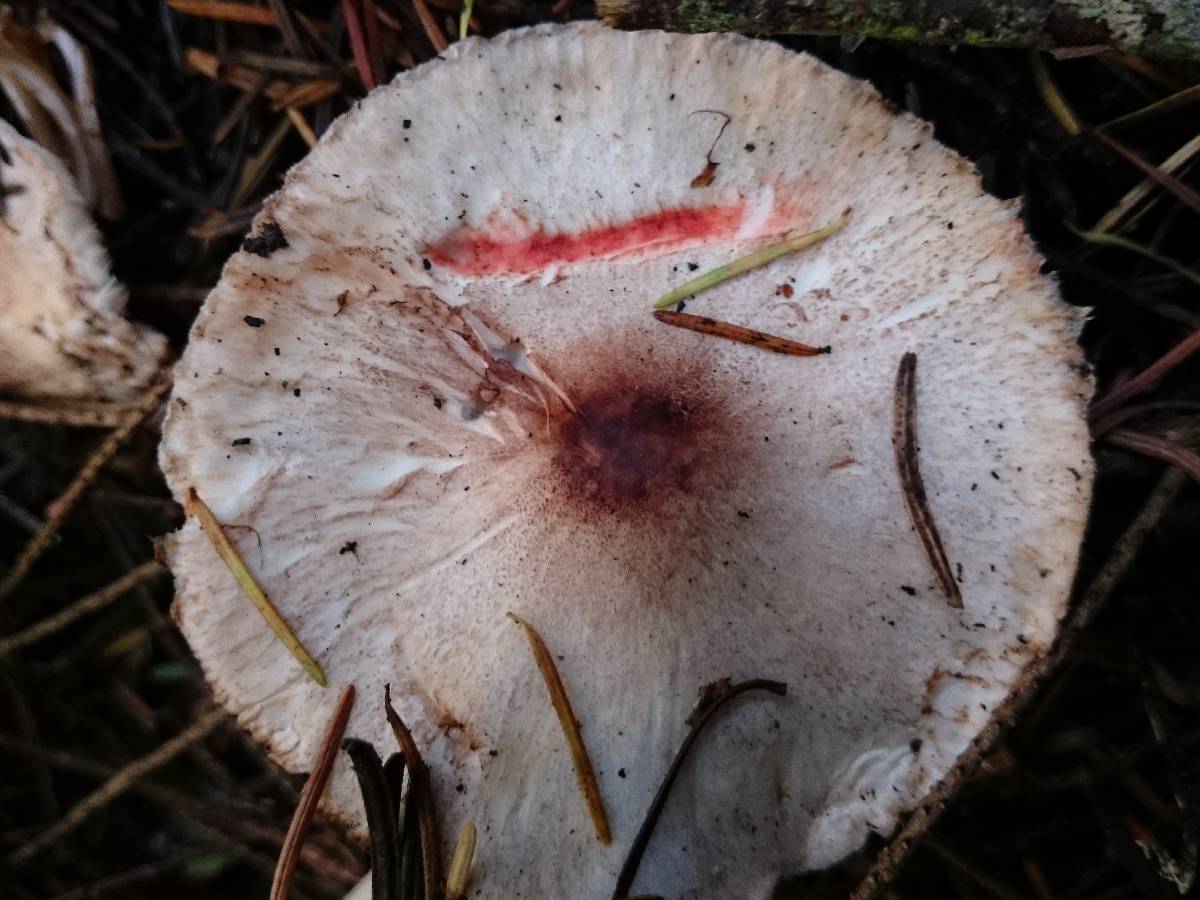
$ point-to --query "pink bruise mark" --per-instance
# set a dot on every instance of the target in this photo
(472, 251)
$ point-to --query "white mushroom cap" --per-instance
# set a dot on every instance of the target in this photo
(406, 482)
(62, 333)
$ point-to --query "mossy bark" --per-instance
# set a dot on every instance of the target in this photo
(1157, 28)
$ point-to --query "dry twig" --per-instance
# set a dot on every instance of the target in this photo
(57, 512)
(80, 608)
(118, 784)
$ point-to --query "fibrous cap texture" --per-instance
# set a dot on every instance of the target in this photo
(486, 235)
(62, 332)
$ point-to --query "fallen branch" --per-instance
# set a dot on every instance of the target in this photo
(1134, 26)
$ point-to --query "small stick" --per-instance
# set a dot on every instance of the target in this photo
(586, 776)
(57, 512)
(739, 333)
(289, 853)
(699, 719)
(904, 439)
(460, 863)
(75, 415)
(121, 781)
(432, 31)
(80, 608)
(244, 13)
(194, 506)
(431, 846)
(755, 260)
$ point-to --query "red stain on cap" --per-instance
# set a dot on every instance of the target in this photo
(472, 251)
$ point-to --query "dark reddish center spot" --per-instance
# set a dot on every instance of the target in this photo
(625, 448)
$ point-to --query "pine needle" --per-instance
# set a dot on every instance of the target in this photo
(459, 875)
(588, 785)
(1053, 97)
(80, 608)
(431, 849)
(57, 512)
(755, 260)
(1113, 240)
(289, 853)
(464, 20)
(738, 333)
(120, 782)
(73, 415)
(218, 10)
(256, 595)
(904, 439)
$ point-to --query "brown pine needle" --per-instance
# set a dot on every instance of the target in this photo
(588, 785)
(1146, 378)
(243, 13)
(739, 333)
(302, 127)
(119, 783)
(289, 853)
(207, 63)
(1182, 192)
(1157, 447)
(194, 506)
(74, 415)
(432, 30)
(358, 44)
(459, 875)
(287, 28)
(1144, 188)
(306, 94)
(259, 163)
(57, 512)
(431, 843)
(80, 608)
(904, 440)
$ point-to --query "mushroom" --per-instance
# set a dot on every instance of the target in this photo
(62, 333)
(449, 400)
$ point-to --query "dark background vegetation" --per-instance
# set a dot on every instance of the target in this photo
(1092, 795)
